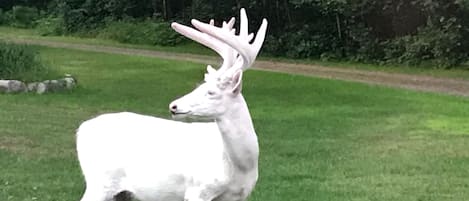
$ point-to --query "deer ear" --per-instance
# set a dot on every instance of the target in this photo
(237, 81)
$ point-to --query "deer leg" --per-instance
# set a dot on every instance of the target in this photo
(123, 196)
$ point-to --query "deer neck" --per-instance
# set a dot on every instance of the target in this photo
(239, 137)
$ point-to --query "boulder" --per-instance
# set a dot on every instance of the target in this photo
(70, 81)
(37, 87)
(12, 86)
(66, 83)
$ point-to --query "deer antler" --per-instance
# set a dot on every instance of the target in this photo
(227, 53)
(241, 43)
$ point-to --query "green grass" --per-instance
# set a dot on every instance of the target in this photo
(193, 48)
(320, 139)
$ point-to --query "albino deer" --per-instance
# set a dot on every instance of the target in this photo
(155, 159)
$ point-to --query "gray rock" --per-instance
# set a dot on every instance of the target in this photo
(12, 86)
(15, 86)
(32, 86)
(70, 82)
(54, 85)
(4, 86)
(41, 88)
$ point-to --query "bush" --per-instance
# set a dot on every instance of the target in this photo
(146, 32)
(50, 26)
(301, 42)
(166, 36)
(23, 17)
(3, 17)
(20, 62)
(439, 44)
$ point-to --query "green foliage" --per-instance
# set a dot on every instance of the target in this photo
(3, 17)
(76, 21)
(440, 45)
(50, 26)
(148, 32)
(437, 43)
(302, 44)
(83, 16)
(165, 36)
(380, 32)
(23, 17)
(20, 62)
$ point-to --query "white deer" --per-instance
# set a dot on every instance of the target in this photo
(124, 155)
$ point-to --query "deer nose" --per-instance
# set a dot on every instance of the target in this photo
(173, 108)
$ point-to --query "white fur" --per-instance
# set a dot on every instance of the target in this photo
(163, 160)
(156, 159)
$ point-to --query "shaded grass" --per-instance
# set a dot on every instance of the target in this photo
(320, 139)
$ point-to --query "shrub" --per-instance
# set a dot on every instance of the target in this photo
(3, 17)
(439, 44)
(146, 32)
(74, 20)
(20, 62)
(274, 45)
(165, 36)
(23, 17)
(301, 42)
(50, 26)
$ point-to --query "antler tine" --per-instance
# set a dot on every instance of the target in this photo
(241, 43)
(225, 51)
(231, 58)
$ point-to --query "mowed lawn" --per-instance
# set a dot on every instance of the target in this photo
(320, 139)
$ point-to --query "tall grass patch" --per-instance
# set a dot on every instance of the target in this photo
(21, 62)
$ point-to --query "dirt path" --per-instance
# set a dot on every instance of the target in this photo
(415, 82)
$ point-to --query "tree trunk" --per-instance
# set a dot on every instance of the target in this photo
(287, 11)
(155, 8)
(339, 30)
(183, 10)
(277, 10)
(169, 11)
(165, 13)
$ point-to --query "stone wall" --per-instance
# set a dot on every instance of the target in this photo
(16, 86)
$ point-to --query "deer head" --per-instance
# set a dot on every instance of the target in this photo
(221, 88)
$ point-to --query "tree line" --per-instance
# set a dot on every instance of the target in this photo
(410, 32)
